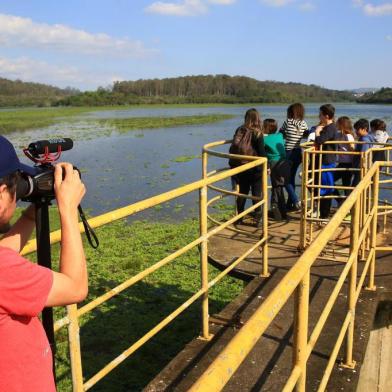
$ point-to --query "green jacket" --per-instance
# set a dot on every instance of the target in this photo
(274, 147)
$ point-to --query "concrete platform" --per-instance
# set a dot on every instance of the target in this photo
(268, 365)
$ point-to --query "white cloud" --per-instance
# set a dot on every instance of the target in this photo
(308, 6)
(303, 6)
(222, 2)
(184, 7)
(277, 3)
(371, 9)
(16, 31)
(27, 69)
(378, 10)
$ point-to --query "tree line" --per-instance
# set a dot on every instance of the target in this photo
(17, 93)
(384, 95)
(186, 89)
(206, 89)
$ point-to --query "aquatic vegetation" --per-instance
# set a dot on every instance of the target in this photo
(17, 120)
(132, 123)
(185, 158)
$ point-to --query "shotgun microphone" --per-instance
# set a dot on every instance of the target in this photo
(50, 146)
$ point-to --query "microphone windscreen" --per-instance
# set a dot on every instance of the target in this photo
(50, 145)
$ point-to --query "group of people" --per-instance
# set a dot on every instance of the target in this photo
(282, 147)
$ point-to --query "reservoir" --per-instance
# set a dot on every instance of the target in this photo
(121, 167)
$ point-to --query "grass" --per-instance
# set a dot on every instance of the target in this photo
(19, 120)
(128, 124)
(126, 249)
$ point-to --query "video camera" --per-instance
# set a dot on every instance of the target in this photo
(43, 153)
(39, 188)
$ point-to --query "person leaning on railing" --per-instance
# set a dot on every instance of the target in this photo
(248, 140)
(280, 168)
(362, 129)
(379, 132)
(345, 161)
(293, 129)
(26, 288)
(326, 131)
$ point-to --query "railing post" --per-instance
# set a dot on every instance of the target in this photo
(204, 251)
(352, 284)
(301, 314)
(373, 231)
(74, 348)
(304, 209)
(265, 272)
(362, 205)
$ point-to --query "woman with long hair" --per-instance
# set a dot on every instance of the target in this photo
(293, 130)
(345, 161)
(249, 180)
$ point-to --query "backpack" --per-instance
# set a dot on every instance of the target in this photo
(242, 144)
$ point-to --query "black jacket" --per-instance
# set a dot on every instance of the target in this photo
(328, 134)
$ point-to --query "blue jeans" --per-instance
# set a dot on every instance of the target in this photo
(295, 156)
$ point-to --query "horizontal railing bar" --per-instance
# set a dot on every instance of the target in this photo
(331, 187)
(384, 248)
(123, 212)
(233, 193)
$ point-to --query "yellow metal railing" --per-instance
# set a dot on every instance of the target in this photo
(74, 313)
(311, 185)
(296, 281)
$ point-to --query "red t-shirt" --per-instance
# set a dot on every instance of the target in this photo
(25, 354)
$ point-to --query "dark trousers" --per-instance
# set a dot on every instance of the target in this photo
(346, 177)
(325, 208)
(279, 177)
(279, 201)
(295, 157)
(248, 182)
(379, 155)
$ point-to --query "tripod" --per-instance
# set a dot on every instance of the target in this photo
(44, 259)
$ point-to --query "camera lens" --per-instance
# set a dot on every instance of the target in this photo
(24, 186)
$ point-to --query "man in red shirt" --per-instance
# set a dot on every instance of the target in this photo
(26, 288)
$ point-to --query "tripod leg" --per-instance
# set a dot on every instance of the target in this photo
(44, 259)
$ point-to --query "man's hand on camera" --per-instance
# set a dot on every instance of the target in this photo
(68, 188)
(70, 284)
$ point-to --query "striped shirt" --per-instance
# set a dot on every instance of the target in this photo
(293, 131)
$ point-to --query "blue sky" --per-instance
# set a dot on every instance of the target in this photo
(338, 44)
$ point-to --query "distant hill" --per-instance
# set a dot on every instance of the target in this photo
(383, 95)
(18, 93)
(187, 89)
(206, 89)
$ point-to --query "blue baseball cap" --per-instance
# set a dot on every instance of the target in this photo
(9, 161)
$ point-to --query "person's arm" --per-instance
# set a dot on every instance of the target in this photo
(70, 285)
(323, 135)
(351, 146)
(20, 232)
(283, 128)
(261, 147)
